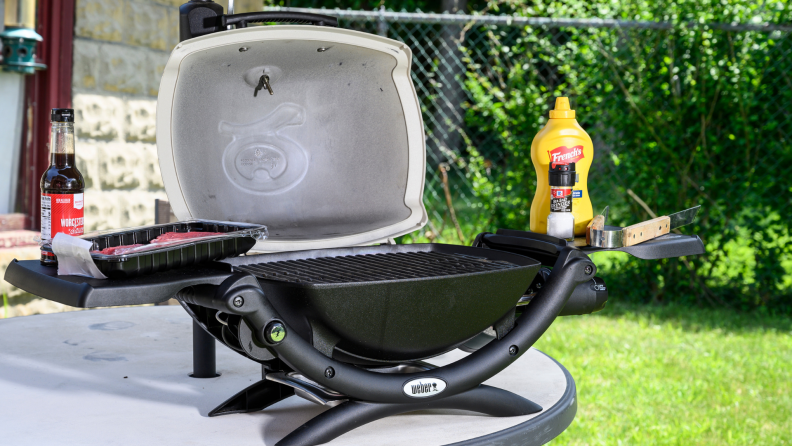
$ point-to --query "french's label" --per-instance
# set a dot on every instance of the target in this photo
(61, 213)
(560, 200)
(565, 155)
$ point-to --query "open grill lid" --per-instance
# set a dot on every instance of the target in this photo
(335, 156)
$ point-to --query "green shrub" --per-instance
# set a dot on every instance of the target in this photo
(695, 114)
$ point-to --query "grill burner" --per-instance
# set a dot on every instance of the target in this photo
(374, 267)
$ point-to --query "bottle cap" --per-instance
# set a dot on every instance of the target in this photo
(562, 175)
(562, 110)
(62, 115)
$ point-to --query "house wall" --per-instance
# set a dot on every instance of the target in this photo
(120, 50)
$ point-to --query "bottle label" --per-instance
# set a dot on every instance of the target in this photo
(61, 213)
(560, 200)
(565, 155)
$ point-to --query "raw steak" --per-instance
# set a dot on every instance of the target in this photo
(168, 238)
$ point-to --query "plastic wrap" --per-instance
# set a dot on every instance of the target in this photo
(74, 258)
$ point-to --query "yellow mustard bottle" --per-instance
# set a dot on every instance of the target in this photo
(561, 141)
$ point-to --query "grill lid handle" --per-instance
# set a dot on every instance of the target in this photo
(242, 20)
(202, 17)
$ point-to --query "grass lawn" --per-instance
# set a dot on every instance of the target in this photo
(676, 376)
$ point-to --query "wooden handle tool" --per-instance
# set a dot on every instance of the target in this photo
(641, 232)
(615, 237)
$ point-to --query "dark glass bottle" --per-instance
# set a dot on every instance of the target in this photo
(62, 185)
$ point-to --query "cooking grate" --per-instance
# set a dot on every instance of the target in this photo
(373, 267)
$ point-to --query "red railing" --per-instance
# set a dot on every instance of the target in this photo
(44, 90)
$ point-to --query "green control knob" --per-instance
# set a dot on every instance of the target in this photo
(275, 332)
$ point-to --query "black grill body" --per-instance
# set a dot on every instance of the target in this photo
(391, 303)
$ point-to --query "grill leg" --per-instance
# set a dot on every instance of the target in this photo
(204, 363)
(352, 414)
(257, 397)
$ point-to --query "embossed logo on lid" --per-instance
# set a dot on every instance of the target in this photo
(261, 160)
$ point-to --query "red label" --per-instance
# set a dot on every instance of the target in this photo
(565, 155)
(560, 193)
(61, 213)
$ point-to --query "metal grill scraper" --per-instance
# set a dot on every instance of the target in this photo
(597, 235)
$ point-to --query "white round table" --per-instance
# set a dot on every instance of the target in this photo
(121, 376)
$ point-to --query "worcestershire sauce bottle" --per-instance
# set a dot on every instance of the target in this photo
(62, 185)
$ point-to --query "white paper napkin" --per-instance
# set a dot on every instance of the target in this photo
(74, 257)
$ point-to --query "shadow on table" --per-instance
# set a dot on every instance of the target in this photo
(285, 419)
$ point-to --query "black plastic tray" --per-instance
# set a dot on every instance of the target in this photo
(238, 238)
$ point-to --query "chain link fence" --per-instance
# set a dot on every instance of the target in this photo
(680, 114)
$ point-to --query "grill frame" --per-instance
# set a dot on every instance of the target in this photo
(399, 319)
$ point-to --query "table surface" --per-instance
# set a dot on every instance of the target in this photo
(120, 376)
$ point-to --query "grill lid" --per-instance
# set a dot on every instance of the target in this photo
(335, 156)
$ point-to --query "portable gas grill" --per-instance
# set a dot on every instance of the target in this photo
(316, 132)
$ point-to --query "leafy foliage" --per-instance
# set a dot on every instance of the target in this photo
(682, 116)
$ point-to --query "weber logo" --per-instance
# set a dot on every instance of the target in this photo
(425, 387)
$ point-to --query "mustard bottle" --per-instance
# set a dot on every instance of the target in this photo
(561, 141)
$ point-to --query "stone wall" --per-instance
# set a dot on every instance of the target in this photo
(120, 50)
